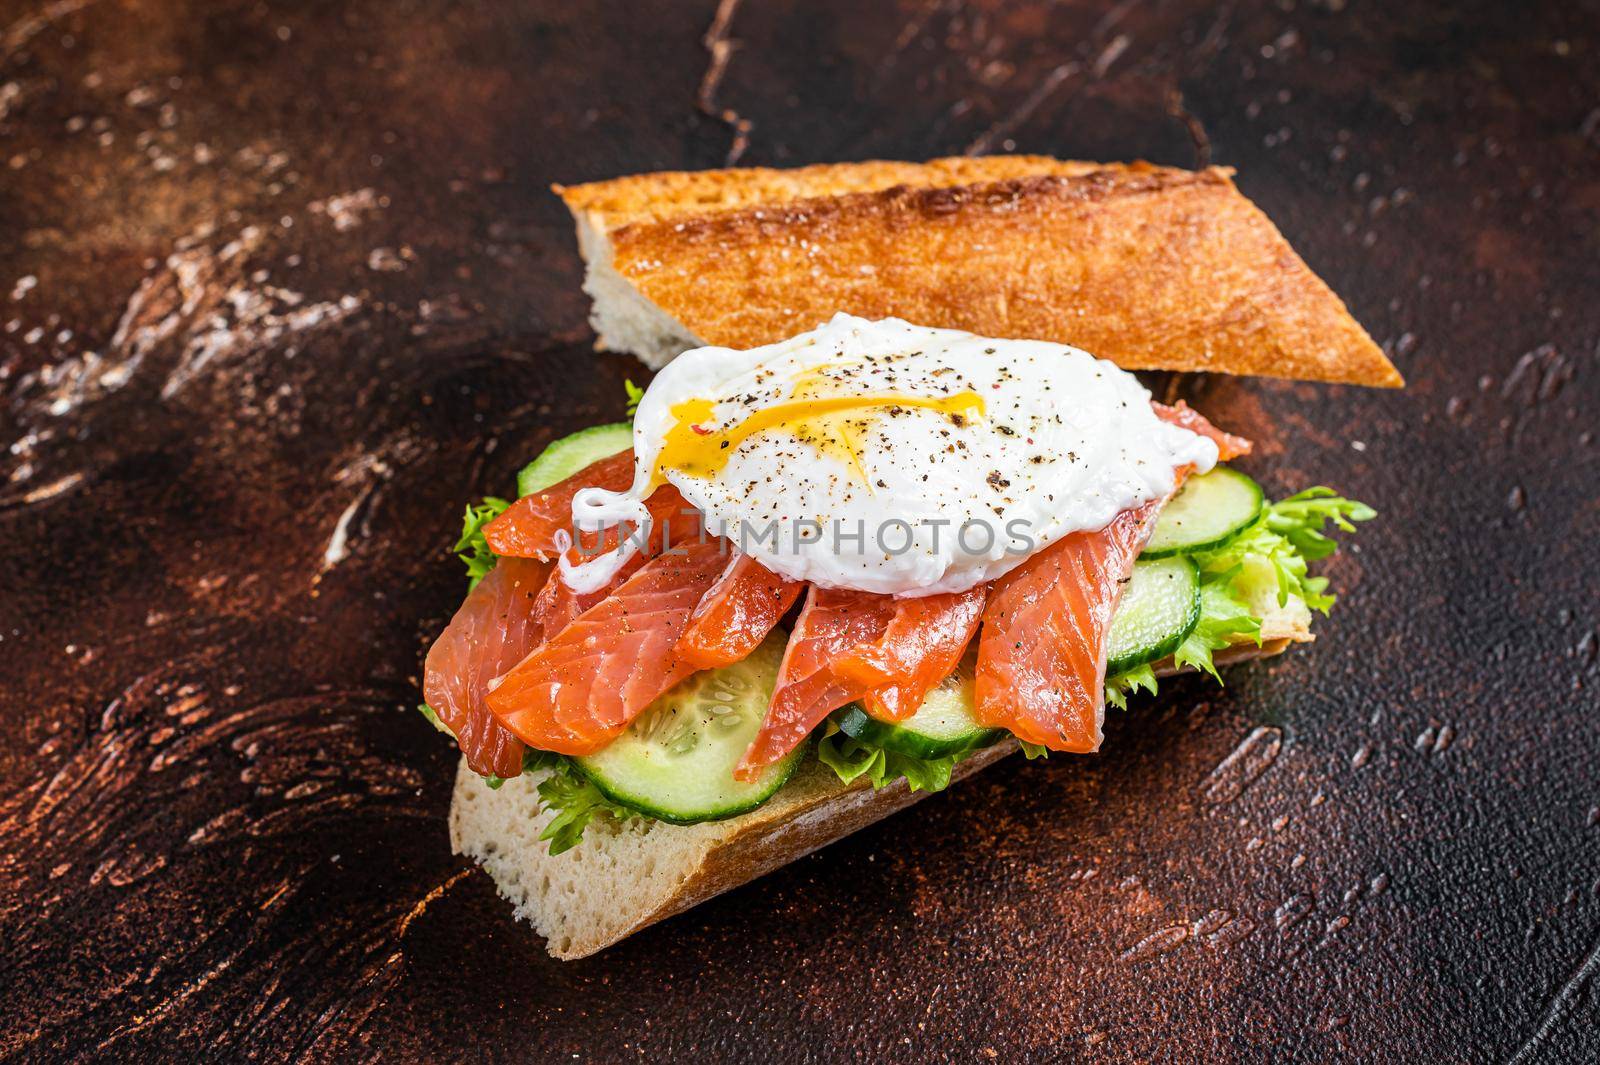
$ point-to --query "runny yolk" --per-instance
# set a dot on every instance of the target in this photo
(831, 424)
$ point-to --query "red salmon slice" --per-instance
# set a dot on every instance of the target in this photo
(580, 688)
(527, 528)
(1042, 652)
(558, 606)
(831, 625)
(672, 521)
(493, 630)
(887, 653)
(919, 648)
(736, 614)
(1186, 417)
(554, 608)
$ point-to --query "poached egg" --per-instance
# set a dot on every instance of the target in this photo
(886, 457)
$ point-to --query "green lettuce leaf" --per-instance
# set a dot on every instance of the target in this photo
(565, 790)
(1301, 518)
(472, 548)
(1288, 536)
(573, 798)
(533, 760)
(850, 758)
(635, 394)
(1118, 688)
(1223, 617)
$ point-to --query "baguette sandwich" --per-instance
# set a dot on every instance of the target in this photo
(839, 560)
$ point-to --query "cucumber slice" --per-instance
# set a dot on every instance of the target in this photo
(1159, 608)
(676, 761)
(943, 725)
(1207, 512)
(567, 456)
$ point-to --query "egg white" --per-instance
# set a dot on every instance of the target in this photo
(1067, 442)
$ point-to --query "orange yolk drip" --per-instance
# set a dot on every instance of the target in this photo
(696, 447)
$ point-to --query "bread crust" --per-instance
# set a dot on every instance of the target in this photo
(1151, 267)
(811, 811)
(674, 195)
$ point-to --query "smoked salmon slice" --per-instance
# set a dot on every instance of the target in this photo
(1042, 653)
(1186, 417)
(559, 606)
(672, 521)
(832, 623)
(527, 528)
(491, 632)
(581, 687)
(736, 613)
(1042, 649)
(847, 645)
(919, 648)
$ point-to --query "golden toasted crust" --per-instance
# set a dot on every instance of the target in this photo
(1150, 267)
(674, 195)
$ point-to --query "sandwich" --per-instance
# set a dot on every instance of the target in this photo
(883, 516)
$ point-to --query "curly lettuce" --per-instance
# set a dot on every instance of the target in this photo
(851, 758)
(568, 792)
(472, 548)
(574, 799)
(1265, 565)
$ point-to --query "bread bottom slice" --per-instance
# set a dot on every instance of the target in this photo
(627, 875)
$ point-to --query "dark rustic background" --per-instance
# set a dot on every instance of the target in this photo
(282, 286)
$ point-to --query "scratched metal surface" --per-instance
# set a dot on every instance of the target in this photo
(281, 286)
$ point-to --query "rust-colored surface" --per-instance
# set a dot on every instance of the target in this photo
(281, 287)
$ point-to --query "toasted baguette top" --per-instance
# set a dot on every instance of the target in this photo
(674, 195)
(1150, 267)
